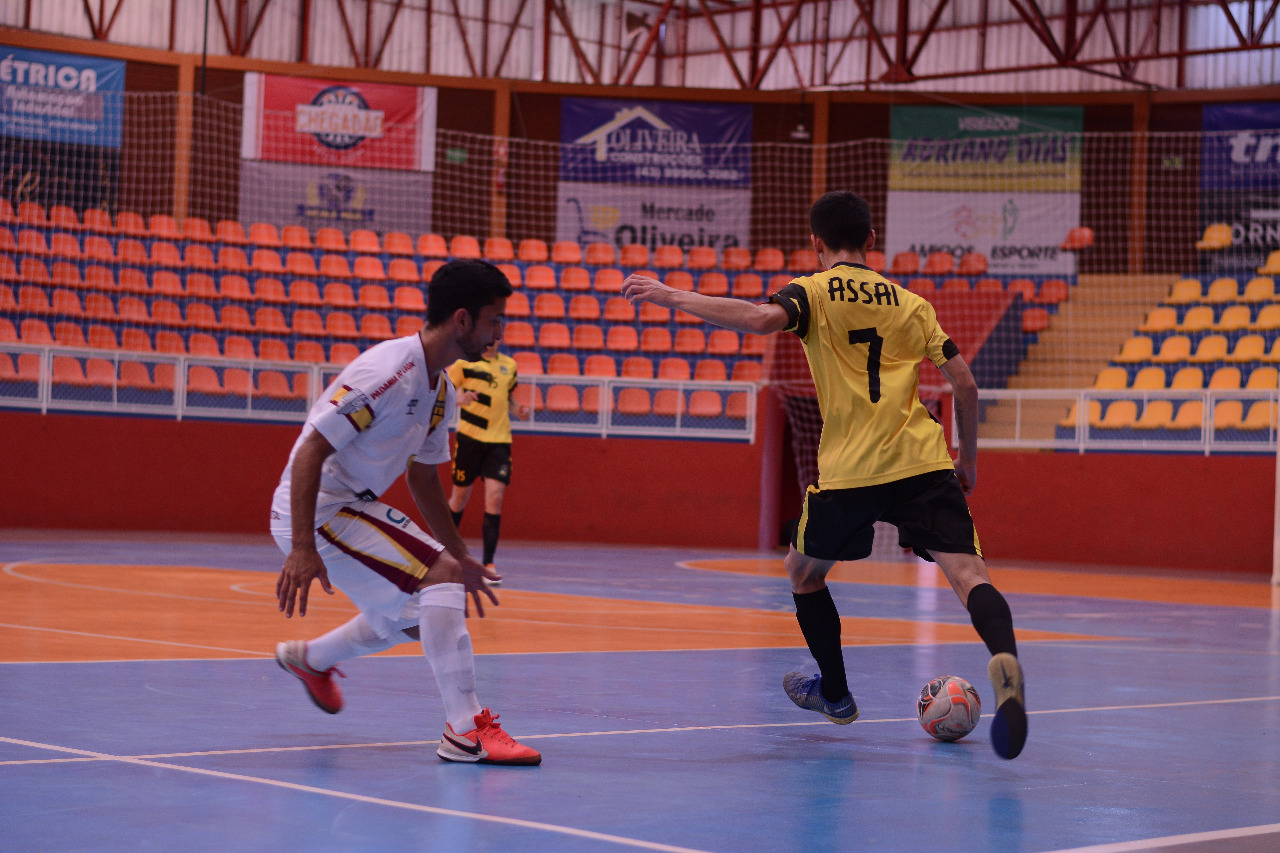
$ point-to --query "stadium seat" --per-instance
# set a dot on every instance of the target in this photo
(691, 341)
(131, 280)
(747, 371)
(1053, 291)
(1248, 348)
(365, 241)
(233, 259)
(1080, 237)
(924, 287)
(1173, 349)
(34, 243)
(748, 285)
(1197, 319)
(678, 279)
(1259, 289)
(396, 243)
(343, 353)
(518, 306)
(170, 342)
(608, 280)
(685, 318)
(130, 223)
(339, 295)
(674, 367)
(713, 284)
(735, 258)
(1035, 320)
(1156, 414)
(701, 258)
(272, 383)
(374, 297)
(1120, 414)
(753, 345)
(600, 254)
(1149, 379)
(803, 261)
(1234, 318)
(566, 252)
(1225, 379)
(32, 213)
(64, 303)
(1216, 236)
(267, 261)
(1268, 318)
(64, 245)
(341, 325)
(270, 320)
(308, 323)
(198, 229)
(938, 264)
(719, 342)
(62, 216)
(583, 307)
(334, 266)
(549, 306)
(619, 310)
(904, 263)
(164, 227)
(575, 279)
(198, 257)
(166, 283)
(464, 246)
(554, 336)
(1261, 417)
(540, 277)
(203, 345)
(1222, 290)
(650, 313)
(519, 334)
(877, 261)
(562, 399)
(972, 264)
(331, 240)
(633, 401)
(1264, 378)
(133, 253)
(600, 365)
(1228, 415)
(1162, 318)
(376, 327)
(1188, 379)
(511, 271)
(527, 363)
(235, 318)
(622, 339)
(135, 340)
(710, 370)
(166, 312)
(304, 292)
(1136, 349)
(633, 255)
(1111, 379)
(309, 351)
(534, 251)
(68, 334)
(705, 404)
(408, 325)
(9, 334)
(64, 273)
(498, 249)
(403, 269)
(133, 310)
(432, 246)
(97, 219)
(955, 284)
(1272, 266)
(33, 300)
(988, 285)
(1185, 291)
(563, 364)
(228, 231)
(588, 337)
(296, 237)
(668, 402)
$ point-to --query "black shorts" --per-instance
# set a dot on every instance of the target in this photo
(473, 459)
(928, 509)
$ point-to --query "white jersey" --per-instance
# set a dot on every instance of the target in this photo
(380, 414)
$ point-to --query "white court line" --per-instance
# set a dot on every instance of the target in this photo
(255, 652)
(359, 798)
(1170, 840)
(615, 732)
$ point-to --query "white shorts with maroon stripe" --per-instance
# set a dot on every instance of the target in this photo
(377, 556)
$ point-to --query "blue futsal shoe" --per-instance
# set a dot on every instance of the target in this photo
(806, 692)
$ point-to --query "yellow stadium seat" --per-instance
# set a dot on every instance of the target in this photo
(1228, 414)
(1112, 378)
(1095, 415)
(1259, 289)
(1174, 348)
(1249, 348)
(1137, 348)
(1261, 416)
(1121, 414)
(1149, 379)
(1272, 266)
(1264, 378)
(1211, 348)
(1216, 236)
(1188, 379)
(1157, 414)
(1184, 292)
(1190, 416)
(1225, 379)
(1161, 319)
(1234, 318)
(1197, 319)
(1268, 318)
(1223, 290)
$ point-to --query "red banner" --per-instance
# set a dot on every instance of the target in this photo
(335, 123)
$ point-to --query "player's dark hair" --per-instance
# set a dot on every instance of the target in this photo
(469, 284)
(841, 220)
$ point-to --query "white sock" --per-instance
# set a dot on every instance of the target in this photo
(447, 645)
(352, 640)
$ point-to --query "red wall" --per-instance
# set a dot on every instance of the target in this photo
(1183, 511)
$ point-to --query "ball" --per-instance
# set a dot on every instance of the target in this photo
(949, 707)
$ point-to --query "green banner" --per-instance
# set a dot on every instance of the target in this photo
(987, 149)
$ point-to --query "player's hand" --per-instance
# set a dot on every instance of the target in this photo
(473, 574)
(466, 398)
(641, 288)
(967, 474)
(521, 411)
(301, 567)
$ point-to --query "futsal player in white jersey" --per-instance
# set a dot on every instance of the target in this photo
(386, 414)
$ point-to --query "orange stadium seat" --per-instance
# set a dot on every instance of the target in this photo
(803, 261)
(562, 398)
(633, 255)
(566, 252)
(713, 284)
(265, 234)
(270, 321)
(376, 327)
(228, 231)
(575, 278)
(905, 263)
(519, 334)
(301, 263)
(667, 257)
(691, 341)
(499, 249)
(583, 307)
(97, 219)
(600, 365)
(334, 266)
(735, 258)
(365, 241)
(770, 260)
(710, 370)
(464, 246)
(331, 240)
(397, 243)
(600, 254)
(554, 336)
(748, 285)
(528, 363)
(622, 339)
(532, 250)
(674, 367)
(340, 324)
(518, 306)
(701, 258)
(563, 364)
(164, 226)
(747, 371)
(199, 257)
(166, 255)
(722, 342)
(619, 310)
(432, 246)
(972, 264)
(33, 213)
(296, 237)
(198, 229)
(403, 269)
(608, 280)
(309, 351)
(64, 245)
(408, 325)
(62, 216)
(650, 313)
(540, 277)
(939, 264)
(339, 295)
(374, 297)
(35, 331)
(131, 223)
(588, 337)
(369, 268)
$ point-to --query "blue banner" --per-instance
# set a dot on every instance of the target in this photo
(61, 97)
(1241, 146)
(655, 142)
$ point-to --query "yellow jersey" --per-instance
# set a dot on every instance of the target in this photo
(488, 419)
(865, 337)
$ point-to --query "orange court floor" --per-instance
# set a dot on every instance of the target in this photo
(142, 708)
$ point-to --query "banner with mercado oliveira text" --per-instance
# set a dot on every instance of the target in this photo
(1000, 181)
(61, 97)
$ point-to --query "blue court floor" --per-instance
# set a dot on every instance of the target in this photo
(1155, 719)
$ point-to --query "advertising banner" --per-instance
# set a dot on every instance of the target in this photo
(1035, 149)
(653, 216)
(655, 142)
(332, 123)
(1018, 232)
(321, 196)
(61, 97)
(1240, 183)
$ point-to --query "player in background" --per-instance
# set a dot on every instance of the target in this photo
(483, 440)
(386, 414)
(880, 454)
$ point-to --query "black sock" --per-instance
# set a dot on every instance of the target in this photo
(991, 617)
(490, 527)
(820, 624)
(457, 518)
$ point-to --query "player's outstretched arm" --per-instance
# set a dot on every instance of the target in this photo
(965, 393)
(736, 314)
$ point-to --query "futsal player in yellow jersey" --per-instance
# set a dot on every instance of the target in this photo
(483, 442)
(881, 455)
